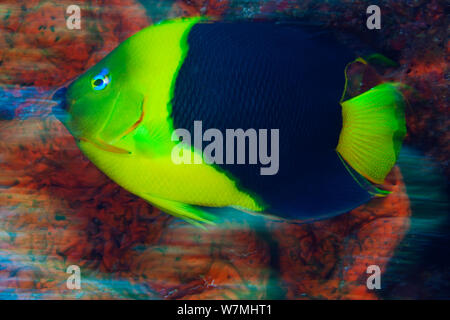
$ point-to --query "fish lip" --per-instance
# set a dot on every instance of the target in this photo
(59, 96)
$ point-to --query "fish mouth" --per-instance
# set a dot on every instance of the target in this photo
(60, 108)
(60, 98)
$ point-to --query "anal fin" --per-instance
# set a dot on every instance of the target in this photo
(190, 213)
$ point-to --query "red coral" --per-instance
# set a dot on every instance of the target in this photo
(58, 209)
(211, 8)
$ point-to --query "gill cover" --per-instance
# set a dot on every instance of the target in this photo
(98, 109)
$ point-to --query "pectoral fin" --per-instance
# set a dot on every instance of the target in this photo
(106, 146)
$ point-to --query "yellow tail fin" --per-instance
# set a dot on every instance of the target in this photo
(373, 130)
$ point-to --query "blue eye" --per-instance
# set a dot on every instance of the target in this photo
(100, 81)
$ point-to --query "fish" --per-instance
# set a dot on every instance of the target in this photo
(333, 153)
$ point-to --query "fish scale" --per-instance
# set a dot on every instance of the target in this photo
(260, 97)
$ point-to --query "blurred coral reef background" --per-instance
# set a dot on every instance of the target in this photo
(57, 209)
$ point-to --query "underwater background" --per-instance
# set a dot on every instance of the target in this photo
(57, 209)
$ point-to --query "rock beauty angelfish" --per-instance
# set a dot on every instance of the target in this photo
(124, 111)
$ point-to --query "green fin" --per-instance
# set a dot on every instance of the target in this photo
(372, 131)
(191, 214)
(380, 60)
